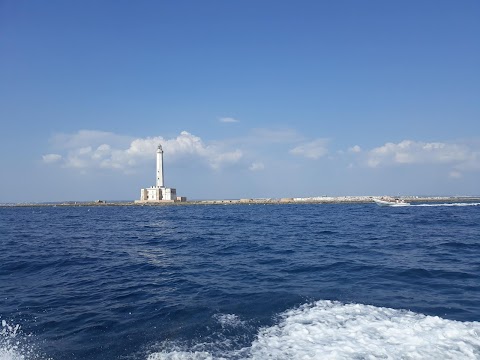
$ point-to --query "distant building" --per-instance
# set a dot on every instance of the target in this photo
(159, 193)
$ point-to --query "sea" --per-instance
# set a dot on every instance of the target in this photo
(286, 281)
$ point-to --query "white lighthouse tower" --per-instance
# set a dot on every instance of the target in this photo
(159, 193)
(160, 183)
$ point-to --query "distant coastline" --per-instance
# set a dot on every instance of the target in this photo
(303, 200)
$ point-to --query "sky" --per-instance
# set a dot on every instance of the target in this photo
(248, 98)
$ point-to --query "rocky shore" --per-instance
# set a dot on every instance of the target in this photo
(303, 200)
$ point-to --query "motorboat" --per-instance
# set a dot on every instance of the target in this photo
(384, 201)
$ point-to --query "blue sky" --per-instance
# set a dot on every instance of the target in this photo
(249, 98)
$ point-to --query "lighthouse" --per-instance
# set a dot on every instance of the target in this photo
(159, 193)
(160, 183)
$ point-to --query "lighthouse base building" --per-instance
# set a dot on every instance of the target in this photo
(159, 193)
(155, 194)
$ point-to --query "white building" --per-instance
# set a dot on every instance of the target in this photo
(159, 193)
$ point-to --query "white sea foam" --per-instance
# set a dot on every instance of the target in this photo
(15, 345)
(450, 204)
(10, 348)
(332, 330)
(228, 320)
(181, 355)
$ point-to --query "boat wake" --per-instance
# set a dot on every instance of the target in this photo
(449, 204)
(333, 330)
(320, 330)
(15, 345)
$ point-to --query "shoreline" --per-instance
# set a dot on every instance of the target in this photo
(258, 201)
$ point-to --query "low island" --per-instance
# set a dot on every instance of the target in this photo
(261, 201)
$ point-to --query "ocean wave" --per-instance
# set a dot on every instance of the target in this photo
(333, 330)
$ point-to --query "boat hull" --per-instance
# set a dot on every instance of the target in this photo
(390, 203)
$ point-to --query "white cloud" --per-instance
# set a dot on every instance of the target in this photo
(85, 138)
(472, 163)
(228, 120)
(458, 157)
(412, 152)
(312, 150)
(51, 158)
(92, 152)
(257, 166)
(455, 174)
(264, 137)
(218, 160)
(355, 149)
(84, 150)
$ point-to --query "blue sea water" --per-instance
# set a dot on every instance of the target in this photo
(240, 282)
